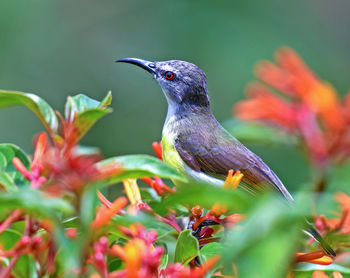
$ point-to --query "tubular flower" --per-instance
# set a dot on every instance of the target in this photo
(158, 185)
(321, 274)
(307, 106)
(340, 226)
(317, 257)
(59, 168)
(180, 271)
(104, 214)
(157, 148)
(233, 179)
(34, 175)
(140, 256)
(133, 193)
(98, 258)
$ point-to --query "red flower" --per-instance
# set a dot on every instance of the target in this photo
(178, 270)
(141, 257)
(339, 225)
(316, 257)
(104, 214)
(37, 167)
(321, 274)
(307, 106)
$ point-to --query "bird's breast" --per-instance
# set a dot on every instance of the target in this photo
(169, 135)
(171, 130)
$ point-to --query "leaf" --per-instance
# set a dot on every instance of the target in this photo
(9, 176)
(80, 103)
(165, 258)
(25, 267)
(209, 250)
(114, 264)
(35, 202)
(187, 247)
(86, 111)
(36, 104)
(137, 166)
(236, 201)
(253, 132)
(307, 268)
(268, 238)
(8, 238)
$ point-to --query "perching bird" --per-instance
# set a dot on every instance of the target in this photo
(195, 143)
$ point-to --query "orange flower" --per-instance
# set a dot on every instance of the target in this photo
(340, 225)
(307, 106)
(321, 274)
(35, 173)
(180, 271)
(105, 214)
(40, 149)
(233, 179)
(132, 191)
(218, 209)
(317, 257)
(157, 148)
(104, 200)
(141, 258)
(264, 106)
(158, 185)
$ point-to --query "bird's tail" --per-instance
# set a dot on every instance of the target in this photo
(311, 231)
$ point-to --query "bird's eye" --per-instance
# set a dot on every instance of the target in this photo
(169, 75)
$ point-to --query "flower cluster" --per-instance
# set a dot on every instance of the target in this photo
(291, 97)
(338, 227)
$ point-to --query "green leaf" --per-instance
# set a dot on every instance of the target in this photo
(35, 202)
(25, 267)
(165, 259)
(267, 239)
(8, 238)
(9, 176)
(137, 166)
(236, 201)
(209, 250)
(114, 264)
(307, 268)
(253, 132)
(187, 247)
(36, 104)
(86, 111)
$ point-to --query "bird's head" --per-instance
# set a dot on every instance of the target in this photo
(182, 82)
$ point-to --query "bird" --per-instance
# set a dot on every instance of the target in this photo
(197, 145)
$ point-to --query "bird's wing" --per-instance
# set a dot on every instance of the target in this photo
(218, 152)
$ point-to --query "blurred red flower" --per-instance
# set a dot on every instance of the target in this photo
(291, 97)
(339, 225)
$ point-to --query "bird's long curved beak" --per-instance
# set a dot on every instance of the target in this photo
(147, 65)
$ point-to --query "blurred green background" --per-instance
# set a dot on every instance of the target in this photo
(58, 48)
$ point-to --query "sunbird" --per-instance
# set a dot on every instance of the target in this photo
(196, 144)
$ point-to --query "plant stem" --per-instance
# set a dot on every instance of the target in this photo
(6, 271)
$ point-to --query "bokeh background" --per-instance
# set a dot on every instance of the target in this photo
(58, 48)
